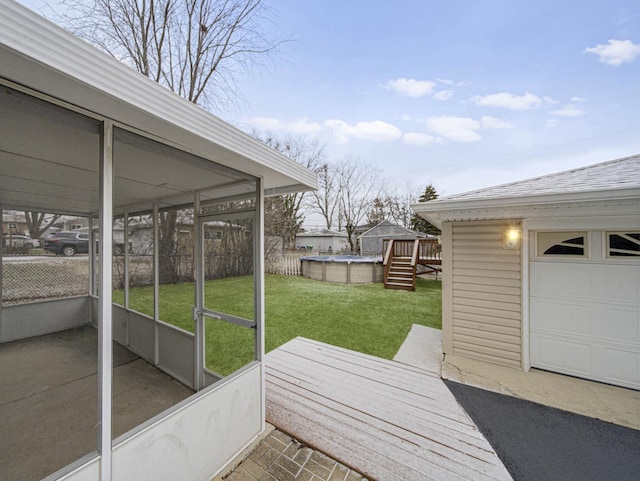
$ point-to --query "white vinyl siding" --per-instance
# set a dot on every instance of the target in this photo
(486, 307)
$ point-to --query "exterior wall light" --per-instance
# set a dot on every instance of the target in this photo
(511, 239)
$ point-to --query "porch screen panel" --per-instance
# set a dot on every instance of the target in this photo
(229, 290)
(48, 389)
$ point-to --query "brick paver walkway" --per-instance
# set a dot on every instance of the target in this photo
(282, 458)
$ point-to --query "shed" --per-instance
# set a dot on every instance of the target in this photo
(84, 135)
(545, 272)
(323, 240)
(371, 241)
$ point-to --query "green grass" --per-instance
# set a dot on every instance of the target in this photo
(365, 318)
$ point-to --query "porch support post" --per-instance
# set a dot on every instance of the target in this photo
(198, 258)
(126, 275)
(156, 283)
(93, 289)
(258, 291)
(126, 258)
(105, 355)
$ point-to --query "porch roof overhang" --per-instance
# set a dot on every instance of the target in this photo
(605, 202)
(42, 60)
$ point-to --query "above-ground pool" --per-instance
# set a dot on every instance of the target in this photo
(343, 269)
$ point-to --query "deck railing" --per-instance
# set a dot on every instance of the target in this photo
(429, 251)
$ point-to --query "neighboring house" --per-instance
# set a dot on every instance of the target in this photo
(371, 241)
(323, 241)
(141, 235)
(14, 223)
(545, 272)
(113, 144)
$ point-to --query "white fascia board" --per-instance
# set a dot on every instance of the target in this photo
(437, 211)
(39, 55)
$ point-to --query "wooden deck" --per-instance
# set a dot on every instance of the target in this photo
(387, 420)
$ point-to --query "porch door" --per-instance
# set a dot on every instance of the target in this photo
(226, 316)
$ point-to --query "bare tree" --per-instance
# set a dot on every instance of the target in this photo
(283, 213)
(359, 185)
(196, 48)
(327, 198)
(378, 211)
(38, 223)
(398, 200)
(393, 205)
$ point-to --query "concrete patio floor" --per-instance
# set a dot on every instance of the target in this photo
(617, 405)
(48, 400)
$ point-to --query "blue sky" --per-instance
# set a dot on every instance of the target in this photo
(460, 94)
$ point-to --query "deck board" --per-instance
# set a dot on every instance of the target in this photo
(384, 419)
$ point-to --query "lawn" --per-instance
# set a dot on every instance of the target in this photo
(365, 318)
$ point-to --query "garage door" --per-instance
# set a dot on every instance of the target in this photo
(585, 305)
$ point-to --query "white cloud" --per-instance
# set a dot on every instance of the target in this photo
(445, 81)
(552, 123)
(443, 95)
(418, 138)
(303, 126)
(568, 111)
(509, 101)
(578, 99)
(548, 101)
(411, 87)
(616, 52)
(377, 131)
(458, 129)
(493, 123)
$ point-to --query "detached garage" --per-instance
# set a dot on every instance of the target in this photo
(545, 272)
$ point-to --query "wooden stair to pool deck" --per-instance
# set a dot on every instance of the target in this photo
(402, 257)
(400, 265)
(401, 274)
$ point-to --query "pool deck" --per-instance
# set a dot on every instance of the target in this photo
(384, 419)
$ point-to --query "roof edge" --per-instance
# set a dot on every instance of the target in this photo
(444, 204)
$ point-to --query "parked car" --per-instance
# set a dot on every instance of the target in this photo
(67, 243)
(20, 241)
(70, 243)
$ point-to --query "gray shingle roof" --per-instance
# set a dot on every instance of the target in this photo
(322, 233)
(615, 174)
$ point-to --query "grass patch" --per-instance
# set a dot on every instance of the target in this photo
(365, 318)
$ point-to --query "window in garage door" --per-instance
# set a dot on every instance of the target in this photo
(562, 244)
(623, 244)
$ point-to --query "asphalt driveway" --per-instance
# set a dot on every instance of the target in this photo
(539, 443)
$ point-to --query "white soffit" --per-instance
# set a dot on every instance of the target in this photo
(40, 55)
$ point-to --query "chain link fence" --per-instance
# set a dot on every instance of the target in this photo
(31, 278)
